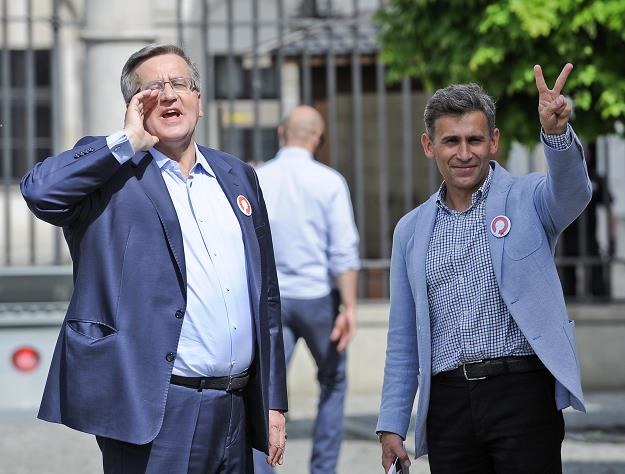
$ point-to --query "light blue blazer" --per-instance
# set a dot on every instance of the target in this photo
(539, 207)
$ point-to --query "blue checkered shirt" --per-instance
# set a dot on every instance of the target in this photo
(468, 318)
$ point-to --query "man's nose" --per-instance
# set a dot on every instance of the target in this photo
(168, 92)
(464, 153)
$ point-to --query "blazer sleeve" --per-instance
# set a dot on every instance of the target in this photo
(277, 363)
(58, 189)
(402, 363)
(566, 189)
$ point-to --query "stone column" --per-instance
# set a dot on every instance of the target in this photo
(114, 30)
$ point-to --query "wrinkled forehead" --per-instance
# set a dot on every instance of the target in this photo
(470, 123)
(162, 66)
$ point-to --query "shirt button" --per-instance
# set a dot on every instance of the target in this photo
(179, 314)
(227, 289)
(116, 148)
(465, 313)
(170, 357)
(461, 279)
(458, 248)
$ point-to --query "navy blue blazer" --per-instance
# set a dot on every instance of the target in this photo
(110, 371)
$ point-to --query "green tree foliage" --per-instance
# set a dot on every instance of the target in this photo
(497, 43)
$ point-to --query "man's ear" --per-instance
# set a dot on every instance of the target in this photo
(428, 146)
(494, 141)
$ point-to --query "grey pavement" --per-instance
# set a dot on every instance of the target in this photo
(595, 443)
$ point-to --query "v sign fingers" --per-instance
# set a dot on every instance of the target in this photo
(553, 109)
(561, 80)
(541, 85)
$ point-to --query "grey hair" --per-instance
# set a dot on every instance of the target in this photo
(458, 99)
(130, 83)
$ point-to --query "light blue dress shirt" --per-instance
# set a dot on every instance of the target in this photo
(217, 332)
(312, 223)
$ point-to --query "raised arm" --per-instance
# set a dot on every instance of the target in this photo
(59, 188)
(565, 191)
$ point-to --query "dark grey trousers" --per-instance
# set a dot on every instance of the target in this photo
(203, 432)
(312, 320)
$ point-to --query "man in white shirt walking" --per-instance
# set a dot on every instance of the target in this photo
(316, 248)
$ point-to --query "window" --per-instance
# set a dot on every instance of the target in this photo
(242, 139)
(20, 112)
(239, 80)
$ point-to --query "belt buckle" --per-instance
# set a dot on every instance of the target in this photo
(464, 370)
(229, 387)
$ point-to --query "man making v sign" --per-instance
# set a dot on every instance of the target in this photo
(478, 322)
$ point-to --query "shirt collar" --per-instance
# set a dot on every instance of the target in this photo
(294, 152)
(476, 197)
(166, 163)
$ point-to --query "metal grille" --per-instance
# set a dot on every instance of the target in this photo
(258, 59)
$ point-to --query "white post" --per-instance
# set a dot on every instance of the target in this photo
(114, 30)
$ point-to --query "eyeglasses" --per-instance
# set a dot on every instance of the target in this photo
(180, 85)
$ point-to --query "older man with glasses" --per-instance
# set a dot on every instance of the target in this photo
(171, 351)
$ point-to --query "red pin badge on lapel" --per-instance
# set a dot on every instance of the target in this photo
(500, 226)
(244, 205)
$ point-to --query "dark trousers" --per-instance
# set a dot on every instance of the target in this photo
(203, 432)
(506, 424)
(312, 320)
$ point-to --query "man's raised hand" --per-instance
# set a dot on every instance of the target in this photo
(553, 108)
(139, 106)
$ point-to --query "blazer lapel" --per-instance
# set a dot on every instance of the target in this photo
(496, 206)
(149, 177)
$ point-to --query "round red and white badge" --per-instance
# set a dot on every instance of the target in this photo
(244, 205)
(500, 226)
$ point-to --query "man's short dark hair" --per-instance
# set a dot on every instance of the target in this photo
(129, 82)
(458, 99)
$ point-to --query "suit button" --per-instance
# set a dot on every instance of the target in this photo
(179, 314)
(170, 357)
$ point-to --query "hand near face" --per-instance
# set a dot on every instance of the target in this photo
(554, 110)
(139, 106)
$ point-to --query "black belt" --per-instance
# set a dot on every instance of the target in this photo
(227, 383)
(481, 369)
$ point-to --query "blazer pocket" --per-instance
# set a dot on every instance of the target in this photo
(522, 244)
(94, 330)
